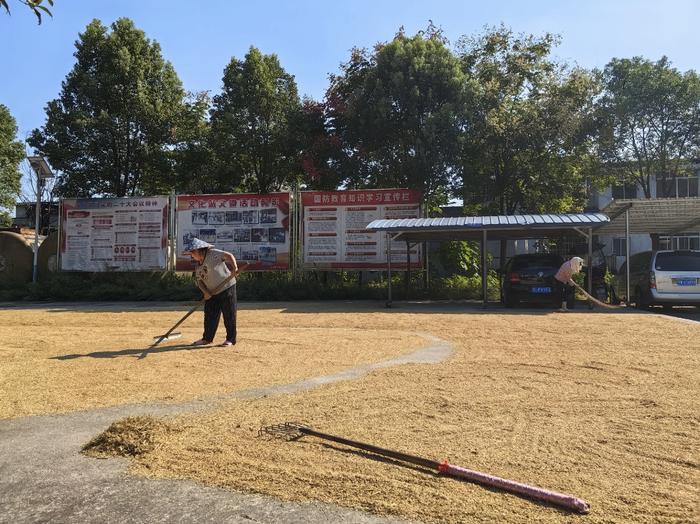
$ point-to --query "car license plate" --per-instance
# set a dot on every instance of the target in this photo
(541, 290)
(685, 282)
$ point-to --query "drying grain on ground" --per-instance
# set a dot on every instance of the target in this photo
(57, 360)
(603, 406)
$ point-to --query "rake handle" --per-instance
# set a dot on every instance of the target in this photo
(199, 304)
(413, 459)
(545, 495)
(563, 500)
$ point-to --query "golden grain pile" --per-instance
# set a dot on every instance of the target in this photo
(56, 360)
(600, 405)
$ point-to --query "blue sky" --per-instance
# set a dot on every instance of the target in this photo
(312, 37)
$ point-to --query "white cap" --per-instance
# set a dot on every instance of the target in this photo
(196, 244)
(576, 264)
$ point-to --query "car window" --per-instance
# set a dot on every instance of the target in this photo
(677, 262)
(520, 263)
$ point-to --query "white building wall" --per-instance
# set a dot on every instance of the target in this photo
(638, 244)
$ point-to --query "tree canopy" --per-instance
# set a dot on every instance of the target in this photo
(649, 121)
(494, 121)
(251, 125)
(111, 130)
(11, 154)
(528, 134)
(398, 110)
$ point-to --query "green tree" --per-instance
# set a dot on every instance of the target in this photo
(36, 6)
(192, 156)
(398, 111)
(11, 154)
(250, 125)
(322, 156)
(650, 115)
(527, 142)
(112, 128)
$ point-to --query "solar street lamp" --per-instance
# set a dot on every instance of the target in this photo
(43, 171)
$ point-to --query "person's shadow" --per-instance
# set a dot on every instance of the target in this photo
(140, 353)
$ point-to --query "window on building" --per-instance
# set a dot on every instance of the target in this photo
(619, 246)
(680, 187)
(687, 186)
(683, 241)
(624, 191)
(664, 189)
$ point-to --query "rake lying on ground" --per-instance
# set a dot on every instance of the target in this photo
(171, 334)
(294, 431)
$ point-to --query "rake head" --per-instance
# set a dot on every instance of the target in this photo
(286, 431)
(171, 336)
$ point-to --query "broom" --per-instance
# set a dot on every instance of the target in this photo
(170, 335)
(595, 300)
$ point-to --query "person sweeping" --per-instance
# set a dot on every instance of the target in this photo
(213, 268)
(564, 278)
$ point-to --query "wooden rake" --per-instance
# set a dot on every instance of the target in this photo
(295, 431)
(171, 332)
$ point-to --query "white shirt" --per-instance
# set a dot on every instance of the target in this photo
(213, 271)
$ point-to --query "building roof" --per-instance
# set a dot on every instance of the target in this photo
(660, 216)
(497, 226)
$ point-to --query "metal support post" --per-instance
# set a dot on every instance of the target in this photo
(388, 266)
(590, 265)
(484, 270)
(627, 255)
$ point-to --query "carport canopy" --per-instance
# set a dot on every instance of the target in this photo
(665, 216)
(483, 228)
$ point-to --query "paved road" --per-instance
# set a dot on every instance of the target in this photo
(44, 478)
(687, 313)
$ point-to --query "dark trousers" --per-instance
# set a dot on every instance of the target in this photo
(564, 291)
(225, 302)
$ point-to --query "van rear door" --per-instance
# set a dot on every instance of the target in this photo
(677, 272)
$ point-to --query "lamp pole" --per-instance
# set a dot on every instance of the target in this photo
(37, 219)
(43, 171)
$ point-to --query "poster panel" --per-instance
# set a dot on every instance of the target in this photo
(334, 234)
(114, 234)
(255, 228)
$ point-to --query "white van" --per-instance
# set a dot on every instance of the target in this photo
(673, 279)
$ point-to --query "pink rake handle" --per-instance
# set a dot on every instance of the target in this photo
(553, 497)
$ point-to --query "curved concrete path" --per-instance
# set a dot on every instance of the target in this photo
(44, 478)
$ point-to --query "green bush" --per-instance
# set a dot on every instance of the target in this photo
(274, 286)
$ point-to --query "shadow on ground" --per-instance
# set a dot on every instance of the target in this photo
(141, 352)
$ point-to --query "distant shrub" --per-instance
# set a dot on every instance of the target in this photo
(274, 286)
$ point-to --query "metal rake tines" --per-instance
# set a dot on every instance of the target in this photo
(287, 430)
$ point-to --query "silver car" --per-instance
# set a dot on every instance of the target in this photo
(671, 279)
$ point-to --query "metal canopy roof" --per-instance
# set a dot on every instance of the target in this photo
(661, 216)
(497, 226)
